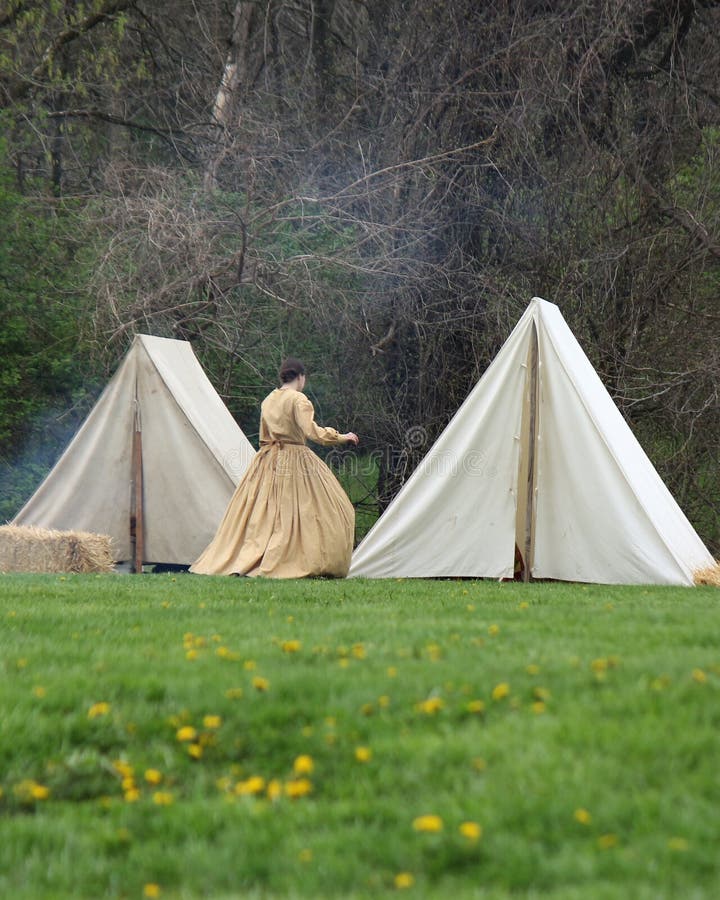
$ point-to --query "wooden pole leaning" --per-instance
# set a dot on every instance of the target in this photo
(531, 450)
(137, 524)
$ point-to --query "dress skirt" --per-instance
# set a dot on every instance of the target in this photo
(288, 518)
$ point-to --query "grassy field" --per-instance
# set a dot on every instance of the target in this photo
(190, 737)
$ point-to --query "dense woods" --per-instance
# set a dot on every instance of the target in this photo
(378, 186)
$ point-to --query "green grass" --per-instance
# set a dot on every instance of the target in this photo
(628, 731)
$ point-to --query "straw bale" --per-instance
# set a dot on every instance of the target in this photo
(30, 549)
(710, 575)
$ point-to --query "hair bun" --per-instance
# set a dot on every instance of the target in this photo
(291, 369)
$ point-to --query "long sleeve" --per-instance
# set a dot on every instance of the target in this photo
(305, 418)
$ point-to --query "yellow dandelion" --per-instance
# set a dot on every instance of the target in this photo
(123, 768)
(430, 823)
(303, 765)
(363, 754)
(599, 665)
(476, 706)
(191, 655)
(607, 841)
(541, 693)
(533, 669)
(367, 709)
(500, 691)
(195, 750)
(434, 652)
(253, 785)
(39, 691)
(274, 789)
(431, 706)
(249, 665)
(186, 733)
(307, 731)
(358, 651)
(538, 707)
(524, 605)
(132, 795)
(128, 783)
(404, 880)
(392, 672)
(151, 890)
(582, 816)
(39, 792)
(162, 798)
(471, 830)
(212, 721)
(260, 683)
(98, 709)
(699, 676)
(153, 776)
(677, 843)
(479, 764)
(234, 693)
(344, 662)
(305, 855)
(299, 787)
(383, 701)
(493, 630)
(292, 646)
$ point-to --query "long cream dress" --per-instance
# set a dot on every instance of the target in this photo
(289, 517)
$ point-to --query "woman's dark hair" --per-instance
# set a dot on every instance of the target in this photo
(291, 369)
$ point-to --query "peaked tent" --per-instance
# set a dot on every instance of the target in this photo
(159, 454)
(538, 457)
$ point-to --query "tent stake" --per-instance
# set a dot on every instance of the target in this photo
(532, 439)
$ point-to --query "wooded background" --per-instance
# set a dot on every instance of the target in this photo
(377, 186)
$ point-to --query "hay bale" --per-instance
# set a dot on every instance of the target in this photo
(29, 549)
(709, 576)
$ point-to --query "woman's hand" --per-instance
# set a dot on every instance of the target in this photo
(350, 438)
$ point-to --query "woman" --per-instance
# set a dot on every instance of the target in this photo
(289, 517)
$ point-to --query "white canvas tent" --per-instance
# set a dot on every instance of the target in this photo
(538, 457)
(159, 455)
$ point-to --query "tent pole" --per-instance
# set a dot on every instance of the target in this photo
(137, 525)
(532, 440)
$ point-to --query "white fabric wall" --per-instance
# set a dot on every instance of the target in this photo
(455, 516)
(603, 513)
